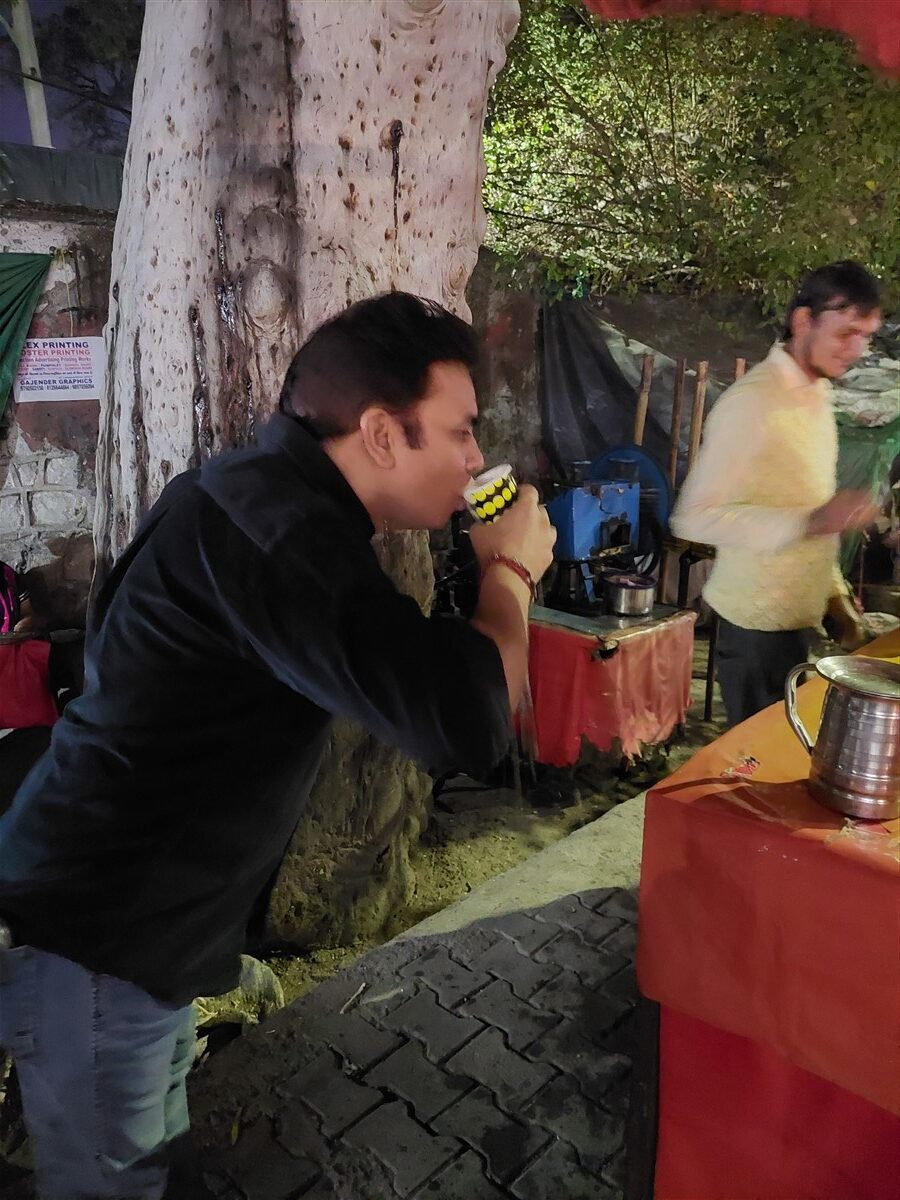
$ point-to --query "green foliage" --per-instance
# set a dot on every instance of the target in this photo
(91, 48)
(700, 153)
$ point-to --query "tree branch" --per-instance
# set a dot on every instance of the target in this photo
(672, 122)
(502, 212)
(601, 205)
(98, 98)
(641, 200)
(82, 77)
(586, 115)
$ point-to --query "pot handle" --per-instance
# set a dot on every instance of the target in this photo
(790, 703)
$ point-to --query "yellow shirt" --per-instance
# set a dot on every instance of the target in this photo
(768, 458)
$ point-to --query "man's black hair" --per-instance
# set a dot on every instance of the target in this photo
(835, 287)
(377, 352)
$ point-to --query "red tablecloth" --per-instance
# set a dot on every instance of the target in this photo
(25, 696)
(636, 696)
(775, 925)
(739, 1122)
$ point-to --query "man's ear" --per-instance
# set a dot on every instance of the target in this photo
(801, 321)
(378, 430)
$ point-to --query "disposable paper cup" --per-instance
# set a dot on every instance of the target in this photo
(491, 493)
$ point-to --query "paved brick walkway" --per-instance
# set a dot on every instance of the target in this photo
(489, 1062)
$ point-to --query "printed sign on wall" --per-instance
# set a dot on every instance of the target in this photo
(61, 369)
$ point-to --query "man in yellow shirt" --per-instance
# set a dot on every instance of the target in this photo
(762, 491)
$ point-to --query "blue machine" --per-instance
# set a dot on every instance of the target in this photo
(595, 517)
(634, 463)
(615, 510)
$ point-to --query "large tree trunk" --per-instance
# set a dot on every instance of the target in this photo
(287, 157)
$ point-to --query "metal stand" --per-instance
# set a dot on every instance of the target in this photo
(642, 1124)
(685, 561)
(572, 589)
(711, 668)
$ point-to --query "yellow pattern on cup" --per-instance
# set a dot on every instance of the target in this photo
(493, 497)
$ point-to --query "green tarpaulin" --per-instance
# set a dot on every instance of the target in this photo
(864, 463)
(21, 280)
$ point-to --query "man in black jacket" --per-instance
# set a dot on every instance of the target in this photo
(249, 610)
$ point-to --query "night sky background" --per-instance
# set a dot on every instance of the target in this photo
(13, 113)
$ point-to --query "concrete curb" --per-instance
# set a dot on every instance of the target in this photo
(604, 854)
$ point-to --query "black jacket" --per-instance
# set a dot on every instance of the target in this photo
(249, 609)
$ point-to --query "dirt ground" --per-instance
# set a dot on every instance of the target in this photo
(477, 833)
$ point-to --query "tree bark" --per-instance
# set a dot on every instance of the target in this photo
(287, 157)
(22, 33)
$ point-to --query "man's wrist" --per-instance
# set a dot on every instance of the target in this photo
(814, 524)
(513, 565)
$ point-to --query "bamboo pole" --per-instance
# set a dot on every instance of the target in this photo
(740, 366)
(677, 404)
(697, 412)
(643, 400)
(674, 443)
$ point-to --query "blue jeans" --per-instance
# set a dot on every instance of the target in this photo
(101, 1068)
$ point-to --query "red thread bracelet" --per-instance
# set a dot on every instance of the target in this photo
(518, 568)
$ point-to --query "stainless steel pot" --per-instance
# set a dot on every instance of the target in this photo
(855, 766)
(629, 595)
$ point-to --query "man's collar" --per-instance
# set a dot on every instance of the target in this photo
(286, 435)
(792, 374)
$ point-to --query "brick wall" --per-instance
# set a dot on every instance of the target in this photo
(47, 450)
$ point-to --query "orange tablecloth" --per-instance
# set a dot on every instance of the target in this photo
(766, 916)
(637, 696)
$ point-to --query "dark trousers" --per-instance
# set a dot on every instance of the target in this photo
(752, 665)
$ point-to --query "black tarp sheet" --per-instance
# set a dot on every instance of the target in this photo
(589, 378)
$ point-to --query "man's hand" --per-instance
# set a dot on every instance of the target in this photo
(524, 532)
(845, 510)
(850, 633)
